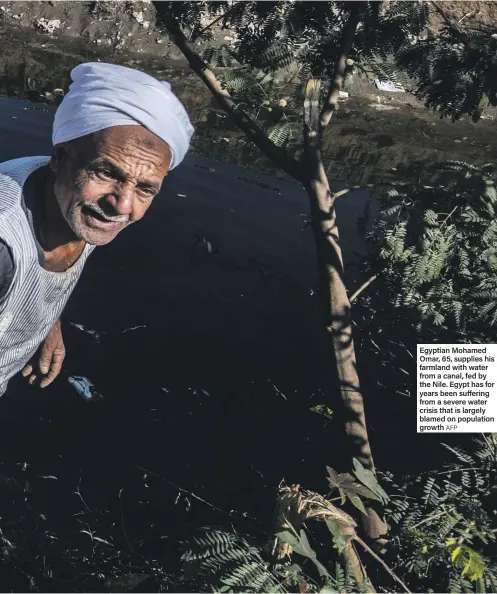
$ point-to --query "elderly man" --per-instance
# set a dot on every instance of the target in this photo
(116, 135)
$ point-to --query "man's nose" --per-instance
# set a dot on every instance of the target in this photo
(121, 199)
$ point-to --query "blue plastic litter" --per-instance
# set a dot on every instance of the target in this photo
(84, 387)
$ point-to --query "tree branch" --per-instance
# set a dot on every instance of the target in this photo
(430, 518)
(336, 84)
(442, 13)
(382, 563)
(336, 306)
(362, 287)
(277, 154)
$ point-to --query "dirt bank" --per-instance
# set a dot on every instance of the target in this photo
(131, 24)
(472, 12)
(370, 137)
(117, 25)
(373, 134)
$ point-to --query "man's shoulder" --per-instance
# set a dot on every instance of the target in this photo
(13, 176)
(18, 167)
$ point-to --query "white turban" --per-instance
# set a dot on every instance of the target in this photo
(106, 95)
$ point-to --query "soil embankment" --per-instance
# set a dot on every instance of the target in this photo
(371, 136)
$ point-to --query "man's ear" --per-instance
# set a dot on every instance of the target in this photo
(59, 153)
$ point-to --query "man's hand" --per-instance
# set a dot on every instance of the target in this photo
(48, 362)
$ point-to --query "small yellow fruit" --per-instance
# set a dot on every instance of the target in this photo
(282, 103)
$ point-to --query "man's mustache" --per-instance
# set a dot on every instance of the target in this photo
(98, 210)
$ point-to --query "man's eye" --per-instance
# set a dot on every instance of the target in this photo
(147, 192)
(104, 173)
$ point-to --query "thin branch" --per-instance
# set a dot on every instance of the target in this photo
(123, 524)
(336, 84)
(429, 518)
(448, 216)
(362, 287)
(442, 13)
(473, 468)
(343, 192)
(466, 16)
(290, 80)
(382, 563)
(205, 502)
(277, 154)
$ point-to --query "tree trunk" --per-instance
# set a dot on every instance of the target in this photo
(341, 352)
(335, 301)
(336, 306)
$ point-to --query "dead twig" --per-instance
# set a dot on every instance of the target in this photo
(382, 563)
(365, 285)
(204, 501)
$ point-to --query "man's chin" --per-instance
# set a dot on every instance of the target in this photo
(93, 231)
(95, 236)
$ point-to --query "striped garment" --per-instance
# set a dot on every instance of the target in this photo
(36, 297)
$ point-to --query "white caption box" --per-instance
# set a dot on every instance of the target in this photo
(457, 388)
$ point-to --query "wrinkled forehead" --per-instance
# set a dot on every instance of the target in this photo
(122, 142)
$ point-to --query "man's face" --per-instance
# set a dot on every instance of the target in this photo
(107, 180)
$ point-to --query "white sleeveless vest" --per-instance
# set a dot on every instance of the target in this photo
(36, 297)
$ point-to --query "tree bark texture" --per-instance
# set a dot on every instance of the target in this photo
(336, 305)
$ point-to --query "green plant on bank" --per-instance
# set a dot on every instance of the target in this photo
(443, 530)
(444, 523)
(229, 562)
(258, 93)
(436, 249)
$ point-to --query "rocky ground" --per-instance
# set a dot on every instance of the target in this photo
(117, 25)
(472, 12)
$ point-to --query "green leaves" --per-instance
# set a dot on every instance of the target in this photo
(468, 560)
(230, 563)
(352, 490)
(368, 479)
(435, 247)
(340, 539)
(300, 544)
(455, 70)
(322, 409)
(444, 524)
(280, 133)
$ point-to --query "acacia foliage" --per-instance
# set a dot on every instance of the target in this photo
(436, 249)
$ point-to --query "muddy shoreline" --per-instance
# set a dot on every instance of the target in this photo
(373, 136)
